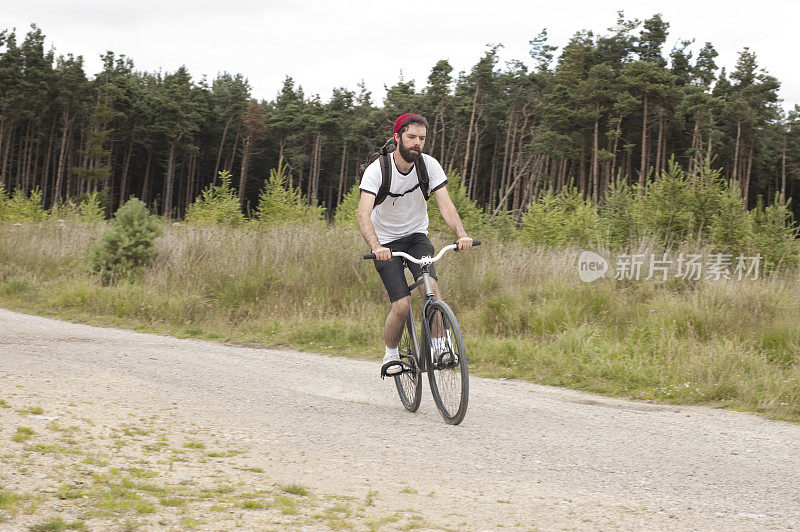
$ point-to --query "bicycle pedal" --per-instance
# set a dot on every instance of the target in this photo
(391, 364)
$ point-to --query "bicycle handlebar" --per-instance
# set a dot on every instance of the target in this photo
(424, 260)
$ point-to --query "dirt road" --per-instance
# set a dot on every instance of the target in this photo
(526, 456)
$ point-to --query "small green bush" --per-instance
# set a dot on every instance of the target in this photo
(706, 193)
(472, 216)
(731, 228)
(617, 221)
(3, 202)
(88, 208)
(664, 209)
(128, 244)
(502, 227)
(217, 204)
(347, 211)
(280, 203)
(560, 220)
(775, 235)
(21, 207)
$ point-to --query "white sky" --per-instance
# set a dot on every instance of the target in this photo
(324, 44)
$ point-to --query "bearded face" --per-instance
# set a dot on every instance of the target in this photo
(411, 142)
(409, 153)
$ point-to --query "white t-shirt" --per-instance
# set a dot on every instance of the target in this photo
(400, 216)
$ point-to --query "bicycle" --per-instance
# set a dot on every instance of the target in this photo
(445, 363)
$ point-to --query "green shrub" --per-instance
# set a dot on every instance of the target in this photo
(472, 216)
(775, 235)
(617, 221)
(664, 209)
(3, 202)
(88, 209)
(730, 226)
(502, 227)
(128, 244)
(281, 203)
(217, 204)
(347, 211)
(706, 193)
(560, 220)
(21, 207)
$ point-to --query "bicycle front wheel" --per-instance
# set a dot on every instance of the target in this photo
(409, 382)
(448, 374)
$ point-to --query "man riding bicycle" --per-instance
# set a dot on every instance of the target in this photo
(400, 223)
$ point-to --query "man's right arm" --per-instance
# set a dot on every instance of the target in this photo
(365, 205)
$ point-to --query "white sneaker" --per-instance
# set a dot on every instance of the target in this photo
(395, 368)
(442, 354)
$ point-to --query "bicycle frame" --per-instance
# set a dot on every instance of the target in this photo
(425, 281)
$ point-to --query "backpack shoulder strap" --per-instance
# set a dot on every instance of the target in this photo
(386, 173)
(422, 176)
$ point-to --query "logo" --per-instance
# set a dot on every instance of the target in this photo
(591, 266)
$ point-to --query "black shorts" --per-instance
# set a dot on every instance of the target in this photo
(391, 271)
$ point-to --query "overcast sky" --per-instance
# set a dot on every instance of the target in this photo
(327, 44)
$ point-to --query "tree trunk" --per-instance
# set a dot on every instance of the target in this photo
(582, 179)
(442, 142)
(470, 188)
(595, 158)
(123, 186)
(469, 137)
(245, 164)
(643, 166)
(747, 174)
(190, 181)
(432, 135)
(697, 149)
(736, 150)
(232, 158)
(506, 156)
(313, 176)
(22, 177)
(2, 131)
(783, 172)
(44, 183)
(32, 154)
(61, 157)
(7, 150)
(616, 146)
(221, 144)
(341, 175)
(169, 181)
(146, 182)
(659, 152)
(70, 184)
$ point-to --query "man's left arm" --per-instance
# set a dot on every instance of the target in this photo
(451, 217)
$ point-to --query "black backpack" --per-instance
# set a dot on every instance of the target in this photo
(386, 171)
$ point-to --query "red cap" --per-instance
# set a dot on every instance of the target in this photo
(402, 120)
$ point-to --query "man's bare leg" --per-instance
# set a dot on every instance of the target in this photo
(395, 321)
(398, 311)
(437, 327)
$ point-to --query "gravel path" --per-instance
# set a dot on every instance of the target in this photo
(526, 456)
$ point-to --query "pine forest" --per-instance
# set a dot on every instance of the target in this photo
(603, 108)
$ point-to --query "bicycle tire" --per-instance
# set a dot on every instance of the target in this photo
(448, 379)
(409, 383)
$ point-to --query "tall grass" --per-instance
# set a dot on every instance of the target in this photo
(523, 309)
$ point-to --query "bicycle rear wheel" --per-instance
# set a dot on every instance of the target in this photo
(409, 382)
(448, 374)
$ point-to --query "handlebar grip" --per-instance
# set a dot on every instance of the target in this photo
(474, 243)
(368, 256)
